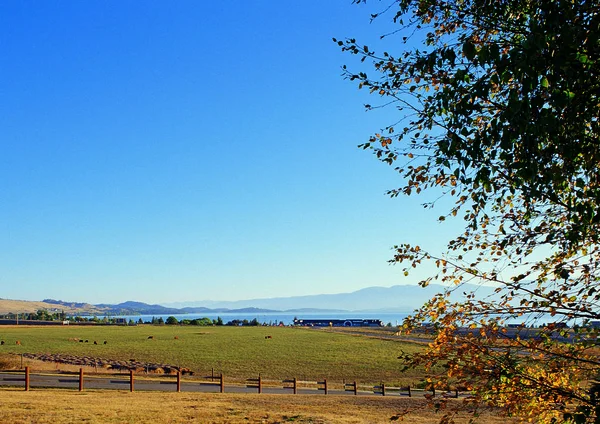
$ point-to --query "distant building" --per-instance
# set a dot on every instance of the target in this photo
(338, 322)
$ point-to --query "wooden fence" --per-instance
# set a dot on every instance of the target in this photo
(277, 386)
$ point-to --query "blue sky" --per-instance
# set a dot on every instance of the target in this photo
(176, 151)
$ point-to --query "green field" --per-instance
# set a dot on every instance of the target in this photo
(237, 352)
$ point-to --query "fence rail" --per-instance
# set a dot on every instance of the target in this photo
(212, 383)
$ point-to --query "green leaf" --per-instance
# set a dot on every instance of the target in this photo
(469, 50)
(583, 58)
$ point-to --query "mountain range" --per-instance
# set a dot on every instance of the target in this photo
(396, 299)
(401, 298)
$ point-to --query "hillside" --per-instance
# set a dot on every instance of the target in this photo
(8, 306)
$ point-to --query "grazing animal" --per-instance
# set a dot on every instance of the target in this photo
(86, 341)
(95, 342)
(2, 342)
(176, 337)
(150, 337)
(105, 342)
(80, 340)
(268, 337)
(18, 343)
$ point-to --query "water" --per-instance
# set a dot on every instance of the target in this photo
(274, 317)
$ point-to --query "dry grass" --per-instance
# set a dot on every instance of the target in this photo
(61, 407)
(13, 362)
(24, 306)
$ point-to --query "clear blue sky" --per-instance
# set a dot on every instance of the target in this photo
(174, 151)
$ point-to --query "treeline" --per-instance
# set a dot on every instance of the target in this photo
(207, 321)
(199, 321)
(40, 315)
(44, 315)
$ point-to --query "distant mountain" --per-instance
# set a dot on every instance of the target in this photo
(401, 298)
(137, 308)
(398, 299)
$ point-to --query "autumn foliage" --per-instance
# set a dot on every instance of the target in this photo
(498, 109)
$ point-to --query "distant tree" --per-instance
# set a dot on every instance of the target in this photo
(201, 321)
(42, 315)
(204, 321)
(140, 321)
(160, 320)
(219, 321)
(171, 320)
(498, 106)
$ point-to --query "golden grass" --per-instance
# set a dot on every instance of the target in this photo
(8, 306)
(61, 407)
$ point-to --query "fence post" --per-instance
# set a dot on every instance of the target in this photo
(409, 393)
(325, 384)
(26, 379)
(222, 384)
(382, 388)
(295, 386)
(259, 384)
(131, 380)
(178, 381)
(355, 389)
(433, 391)
(81, 379)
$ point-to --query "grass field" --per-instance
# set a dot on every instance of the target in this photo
(307, 354)
(62, 407)
(237, 352)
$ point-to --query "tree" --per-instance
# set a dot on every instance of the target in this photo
(498, 110)
(171, 320)
(202, 321)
